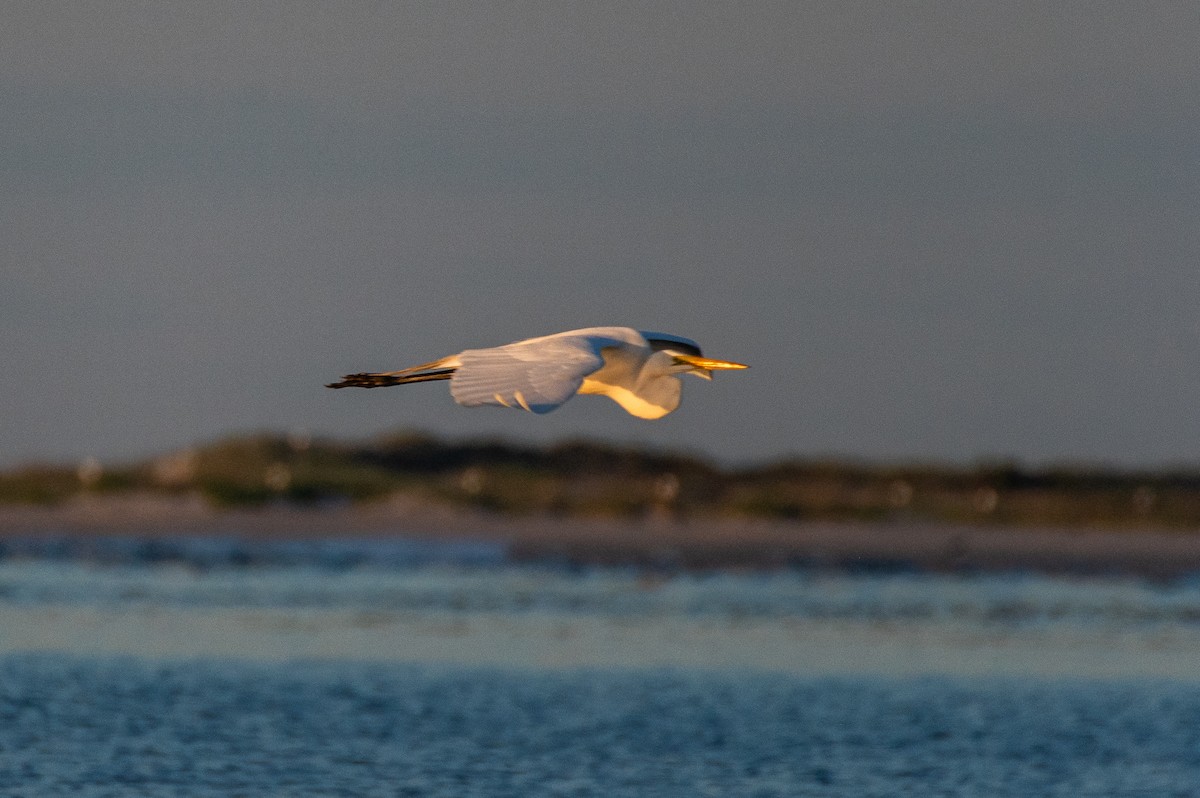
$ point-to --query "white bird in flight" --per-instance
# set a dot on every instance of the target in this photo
(638, 370)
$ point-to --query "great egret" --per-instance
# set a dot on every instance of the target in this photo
(637, 370)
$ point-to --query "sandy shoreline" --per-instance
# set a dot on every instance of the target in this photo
(703, 543)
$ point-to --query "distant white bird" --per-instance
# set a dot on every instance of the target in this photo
(637, 370)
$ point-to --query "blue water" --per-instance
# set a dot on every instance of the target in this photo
(216, 668)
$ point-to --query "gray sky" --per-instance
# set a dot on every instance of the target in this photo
(936, 230)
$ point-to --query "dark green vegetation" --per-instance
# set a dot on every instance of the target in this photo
(600, 480)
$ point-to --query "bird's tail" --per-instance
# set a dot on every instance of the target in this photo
(437, 370)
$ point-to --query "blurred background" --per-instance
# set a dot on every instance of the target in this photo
(937, 231)
(939, 540)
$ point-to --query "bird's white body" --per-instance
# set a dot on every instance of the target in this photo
(637, 370)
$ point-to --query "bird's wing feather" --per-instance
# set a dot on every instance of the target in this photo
(537, 376)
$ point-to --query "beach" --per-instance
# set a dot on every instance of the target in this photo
(659, 542)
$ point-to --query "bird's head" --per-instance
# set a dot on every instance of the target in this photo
(686, 357)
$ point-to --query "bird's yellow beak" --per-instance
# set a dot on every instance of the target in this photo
(708, 364)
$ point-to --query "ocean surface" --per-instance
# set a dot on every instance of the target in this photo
(218, 667)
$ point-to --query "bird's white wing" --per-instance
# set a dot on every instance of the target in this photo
(537, 376)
